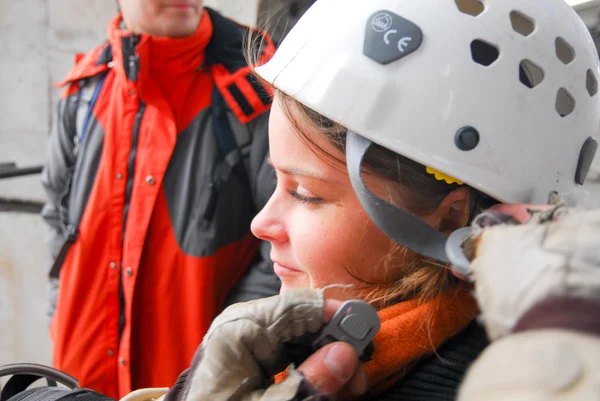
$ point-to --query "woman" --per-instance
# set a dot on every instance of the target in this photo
(441, 116)
(393, 123)
(321, 237)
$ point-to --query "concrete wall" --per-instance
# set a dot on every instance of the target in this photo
(23, 336)
(39, 38)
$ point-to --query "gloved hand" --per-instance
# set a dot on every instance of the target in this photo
(540, 283)
(242, 351)
(555, 253)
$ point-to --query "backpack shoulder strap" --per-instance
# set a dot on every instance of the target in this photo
(86, 100)
(233, 143)
(88, 95)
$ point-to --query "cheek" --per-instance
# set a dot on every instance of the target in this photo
(351, 251)
(328, 246)
(150, 11)
(379, 260)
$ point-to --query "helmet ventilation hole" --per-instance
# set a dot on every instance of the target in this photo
(484, 53)
(470, 7)
(591, 83)
(565, 104)
(564, 51)
(521, 23)
(530, 74)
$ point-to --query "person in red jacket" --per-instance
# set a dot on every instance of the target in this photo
(156, 167)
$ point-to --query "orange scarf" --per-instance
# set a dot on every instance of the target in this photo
(411, 330)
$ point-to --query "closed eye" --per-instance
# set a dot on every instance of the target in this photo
(306, 199)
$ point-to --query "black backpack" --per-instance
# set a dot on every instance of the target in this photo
(23, 375)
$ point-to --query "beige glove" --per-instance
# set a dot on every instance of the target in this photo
(537, 365)
(241, 350)
(556, 253)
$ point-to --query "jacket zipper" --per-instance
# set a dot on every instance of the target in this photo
(132, 70)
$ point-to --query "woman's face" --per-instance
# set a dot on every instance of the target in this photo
(319, 232)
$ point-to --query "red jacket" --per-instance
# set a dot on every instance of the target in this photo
(161, 238)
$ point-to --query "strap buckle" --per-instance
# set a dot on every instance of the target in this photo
(355, 322)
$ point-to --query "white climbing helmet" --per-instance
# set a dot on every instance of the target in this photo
(438, 81)
(500, 95)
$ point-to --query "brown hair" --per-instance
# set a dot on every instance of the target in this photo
(422, 193)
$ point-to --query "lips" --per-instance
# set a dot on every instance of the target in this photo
(283, 270)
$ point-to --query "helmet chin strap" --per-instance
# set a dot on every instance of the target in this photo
(400, 225)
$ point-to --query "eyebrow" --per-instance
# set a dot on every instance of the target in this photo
(300, 172)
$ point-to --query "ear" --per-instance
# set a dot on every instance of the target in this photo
(453, 211)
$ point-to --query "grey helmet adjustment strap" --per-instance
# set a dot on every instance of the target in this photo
(405, 228)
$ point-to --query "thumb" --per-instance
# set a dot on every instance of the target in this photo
(332, 367)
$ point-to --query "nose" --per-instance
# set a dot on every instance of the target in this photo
(268, 224)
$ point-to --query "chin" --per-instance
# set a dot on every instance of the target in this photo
(288, 286)
(285, 287)
(177, 27)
